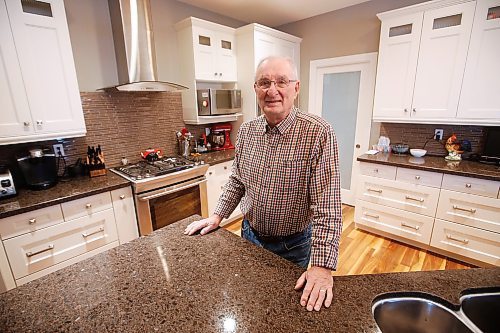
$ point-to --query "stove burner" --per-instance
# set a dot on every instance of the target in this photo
(144, 169)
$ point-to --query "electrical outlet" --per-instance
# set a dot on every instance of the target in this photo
(59, 150)
(438, 134)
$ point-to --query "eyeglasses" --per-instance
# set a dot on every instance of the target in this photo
(281, 82)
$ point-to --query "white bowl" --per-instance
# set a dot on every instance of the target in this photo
(418, 152)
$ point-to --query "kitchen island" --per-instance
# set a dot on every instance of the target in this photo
(168, 282)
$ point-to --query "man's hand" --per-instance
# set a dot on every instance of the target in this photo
(318, 283)
(206, 225)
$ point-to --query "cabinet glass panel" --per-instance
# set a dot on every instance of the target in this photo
(204, 40)
(36, 7)
(225, 44)
(493, 13)
(446, 22)
(400, 30)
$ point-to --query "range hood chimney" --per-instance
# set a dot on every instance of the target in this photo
(134, 48)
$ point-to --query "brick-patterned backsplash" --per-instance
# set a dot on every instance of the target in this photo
(123, 123)
(415, 135)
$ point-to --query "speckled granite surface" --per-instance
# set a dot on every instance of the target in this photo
(168, 282)
(216, 157)
(28, 200)
(437, 164)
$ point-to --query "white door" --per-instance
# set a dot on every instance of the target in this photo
(341, 91)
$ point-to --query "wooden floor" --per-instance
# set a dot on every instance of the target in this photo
(364, 253)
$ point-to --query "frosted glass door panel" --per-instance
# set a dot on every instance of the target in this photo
(340, 108)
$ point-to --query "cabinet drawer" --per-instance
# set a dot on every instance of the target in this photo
(395, 221)
(414, 198)
(467, 241)
(472, 210)
(86, 206)
(19, 224)
(378, 170)
(43, 248)
(488, 188)
(419, 177)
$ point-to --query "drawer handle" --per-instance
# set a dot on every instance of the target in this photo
(469, 210)
(468, 185)
(122, 196)
(88, 205)
(416, 227)
(417, 177)
(375, 170)
(407, 197)
(31, 254)
(371, 215)
(85, 235)
(374, 190)
(32, 221)
(464, 241)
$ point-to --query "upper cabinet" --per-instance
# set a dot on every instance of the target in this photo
(481, 85)
(256, 42)
(207, 57)
(39, 94)
(422, 58)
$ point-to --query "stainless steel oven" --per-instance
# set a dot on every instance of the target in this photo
(162, 198)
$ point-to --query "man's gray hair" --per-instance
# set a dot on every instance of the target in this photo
(287, 59)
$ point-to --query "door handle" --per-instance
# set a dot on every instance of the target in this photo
(31, 254)
(464, 241)
(374, 190)
(416, 227)
(85, 235)
(469, 210)
(407, 197)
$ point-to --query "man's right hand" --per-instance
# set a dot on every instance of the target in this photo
(206, 225)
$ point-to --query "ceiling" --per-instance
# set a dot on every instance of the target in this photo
(271, 13)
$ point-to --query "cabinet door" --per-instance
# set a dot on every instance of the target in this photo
(16, 117)
(124, 209)
(226, 57)
(481, 84)
(397, 64)
(264, 46)
(44, 49)
(441, 61)
(204, 54)
(213, 191)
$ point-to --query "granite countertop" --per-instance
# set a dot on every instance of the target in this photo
(215, 157)
(168, 282)
(436, 164)
(74, 188)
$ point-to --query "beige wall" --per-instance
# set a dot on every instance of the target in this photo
(92, 40)
(347, 31)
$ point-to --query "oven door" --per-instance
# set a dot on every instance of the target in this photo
(164, 206)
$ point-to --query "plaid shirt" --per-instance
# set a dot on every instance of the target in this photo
(287, 177)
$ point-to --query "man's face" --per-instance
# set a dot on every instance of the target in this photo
(276, 102)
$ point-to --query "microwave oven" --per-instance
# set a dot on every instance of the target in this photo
(213, 102)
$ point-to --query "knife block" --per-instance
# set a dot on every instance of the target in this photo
(96, 173)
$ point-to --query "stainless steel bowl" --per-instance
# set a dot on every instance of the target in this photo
(400, 148)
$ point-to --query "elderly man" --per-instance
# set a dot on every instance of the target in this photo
(286, 175)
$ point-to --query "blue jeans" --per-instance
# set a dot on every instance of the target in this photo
(296, 248)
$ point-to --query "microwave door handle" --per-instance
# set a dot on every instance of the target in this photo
(169, 191)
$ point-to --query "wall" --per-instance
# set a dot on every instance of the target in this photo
(346, 31)
(92, 41)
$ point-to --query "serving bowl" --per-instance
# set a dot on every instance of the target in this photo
(418, 152)
(400, 148)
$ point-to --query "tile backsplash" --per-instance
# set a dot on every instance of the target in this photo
(416, 136)
(123, 123)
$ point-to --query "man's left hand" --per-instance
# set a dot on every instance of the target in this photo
(318, 288)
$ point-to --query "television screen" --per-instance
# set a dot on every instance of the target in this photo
(492, 144)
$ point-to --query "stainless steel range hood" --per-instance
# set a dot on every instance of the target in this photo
(134, 47)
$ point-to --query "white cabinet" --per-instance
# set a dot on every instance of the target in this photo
(217, 177)
(255, 42)
(454, 215)
(207, 57)
(423, 54)
(42, 241)
(479, 99)
(39, 92)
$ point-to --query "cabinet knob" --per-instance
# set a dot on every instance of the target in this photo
(39, 122)
(122, 196)
(468, 185)
(220, 74)
(358, 146)
(27, 123)
(215, 73)
(225, 168)
(406, 110)
(210, 173)
(375, 170)
(417, 177)
(88, 205)
(32, 221)
(414, 110)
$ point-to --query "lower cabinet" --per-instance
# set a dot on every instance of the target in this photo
(453, 215)
(45, 240)
(217, 177)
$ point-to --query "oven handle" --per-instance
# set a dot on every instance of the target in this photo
(170, 190)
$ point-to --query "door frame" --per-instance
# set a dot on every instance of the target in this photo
(366, 63)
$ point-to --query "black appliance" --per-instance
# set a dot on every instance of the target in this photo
(491, 151)
(39, 168)
(7, 187)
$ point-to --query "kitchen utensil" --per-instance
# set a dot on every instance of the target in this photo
(418, 152)
(7, 188)
(400, 148)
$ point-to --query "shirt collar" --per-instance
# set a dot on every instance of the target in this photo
(283, 126)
